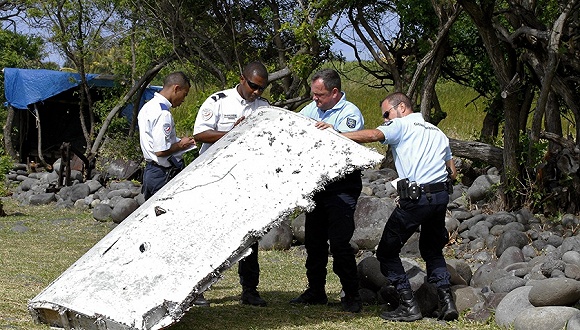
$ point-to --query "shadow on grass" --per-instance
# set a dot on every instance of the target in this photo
(227, 313)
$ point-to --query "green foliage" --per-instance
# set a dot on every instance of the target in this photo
(18, 51)
(6, 164)
(526, 190)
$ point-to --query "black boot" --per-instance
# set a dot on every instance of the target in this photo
(407, 311)
(250, 296)
(311, 297)
(351, 303)
(448, 308)
(200, 301)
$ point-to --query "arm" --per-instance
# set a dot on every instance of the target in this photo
(211, 136)
(180, 145)
(366, 136)
(451, 169)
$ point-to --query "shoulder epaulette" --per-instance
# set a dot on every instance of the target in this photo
(164, 106)
(218, 96)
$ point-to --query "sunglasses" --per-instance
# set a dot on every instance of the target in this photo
(386, 114)
(254, 86)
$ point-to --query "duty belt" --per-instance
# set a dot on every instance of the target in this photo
(433, 187)
(412, 190)
(152, 163)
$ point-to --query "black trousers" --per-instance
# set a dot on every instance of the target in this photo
(403, 222)
(331, 224)
(154, 178)
(249, 269)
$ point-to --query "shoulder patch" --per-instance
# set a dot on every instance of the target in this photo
(218, 96)
(167, 129)
(206, 114)
(351, 122)
(164, 106)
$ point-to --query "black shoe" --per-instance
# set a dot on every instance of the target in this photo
(351, 303)
(252, 297)
(408, 310)
(448, 309)
(200, 301)
(311, 297)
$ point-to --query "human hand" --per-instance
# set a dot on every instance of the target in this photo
(186, 142)
(322, 125)
(239, 120)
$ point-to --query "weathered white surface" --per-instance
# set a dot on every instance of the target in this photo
(145, 273)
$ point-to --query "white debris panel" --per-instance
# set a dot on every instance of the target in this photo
(145, 273)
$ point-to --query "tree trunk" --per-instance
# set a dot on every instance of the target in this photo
(148, 76)
(8, 133)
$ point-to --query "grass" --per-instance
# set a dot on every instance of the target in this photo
(38, 243)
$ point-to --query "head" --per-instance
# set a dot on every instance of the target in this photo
(396, 105)
(175, 88)
(326, 89)
(253, 81)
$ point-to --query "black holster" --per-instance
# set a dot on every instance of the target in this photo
(408, 190)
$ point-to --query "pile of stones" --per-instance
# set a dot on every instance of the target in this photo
(516, 268)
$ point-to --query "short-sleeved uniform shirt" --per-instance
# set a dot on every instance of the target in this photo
(344, 116)
(156, 129)
(420, 149)
(221, 110)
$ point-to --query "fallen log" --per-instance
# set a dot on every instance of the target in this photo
(477, 151)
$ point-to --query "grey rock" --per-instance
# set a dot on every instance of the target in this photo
(545, 318)
(123, 208)
(28, 183)
(571, 257)
(462, 269)
(297, 225)
(485, 274)
(507, 284)
(102, 212)
(512, 305)
(94, 186)
(481, 187)
(370, 276)
(79, 191)
(277, 238)
(555, 292)
(501, 218)
(573, 323)
(370, 217)
(572, 271)
(42, 199)
(125, 193)
(510, 256)
(551, 264)
(511, 238)
(466, 297)
(570, 244)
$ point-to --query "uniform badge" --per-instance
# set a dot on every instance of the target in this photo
(166, 129)
(206, 114)
(351, 123)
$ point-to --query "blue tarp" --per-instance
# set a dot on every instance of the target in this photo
(23, 87)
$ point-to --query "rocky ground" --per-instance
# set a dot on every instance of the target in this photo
(516, 267)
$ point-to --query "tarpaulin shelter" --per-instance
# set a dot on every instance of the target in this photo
(49, 99)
